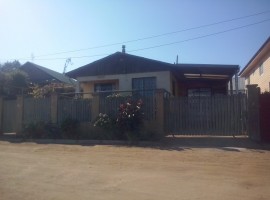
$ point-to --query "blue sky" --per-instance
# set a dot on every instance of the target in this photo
(34, 28)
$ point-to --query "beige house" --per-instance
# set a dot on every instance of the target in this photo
(257, 71)
(125, 72)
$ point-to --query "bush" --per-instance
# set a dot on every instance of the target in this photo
(105, 122)
(69, 128)
(130, 119)
(41, 130)
(127, 123)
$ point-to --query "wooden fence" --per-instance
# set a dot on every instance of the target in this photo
(9, 115)
(36, 110)
(15, 114)
(79, 109)
(215, 115)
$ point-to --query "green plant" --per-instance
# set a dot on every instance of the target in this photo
(70, 127)
(130, 118)
(127, 124)
(35, 130)
(104, 121)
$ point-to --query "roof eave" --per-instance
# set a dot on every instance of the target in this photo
(246, 69)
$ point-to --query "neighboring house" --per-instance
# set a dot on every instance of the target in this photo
(124, 72)
(241, 85)
(42, 76)
(257, 71)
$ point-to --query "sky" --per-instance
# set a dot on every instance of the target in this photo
(48, 32)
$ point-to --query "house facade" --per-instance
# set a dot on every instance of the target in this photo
(125, 72)
(257, 71)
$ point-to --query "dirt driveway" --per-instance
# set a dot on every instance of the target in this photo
(30, 171)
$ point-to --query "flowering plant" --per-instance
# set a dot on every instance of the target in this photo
(130, 116)
(104, 121)
(127, 123)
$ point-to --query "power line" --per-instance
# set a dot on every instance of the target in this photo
(153, 36)
(203, 36)
(167, 44)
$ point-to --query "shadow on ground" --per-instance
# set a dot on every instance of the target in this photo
(225, 143)
(169, 143)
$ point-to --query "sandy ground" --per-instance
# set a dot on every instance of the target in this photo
(30, 171)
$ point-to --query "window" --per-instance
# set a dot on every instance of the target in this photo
(145, 86)
(261, 69)
(248, 80)
(199, 92)
(101, 87)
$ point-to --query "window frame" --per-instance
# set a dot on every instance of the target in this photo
(144, 91)
(104, 84)
(199, 92)
(261, 69)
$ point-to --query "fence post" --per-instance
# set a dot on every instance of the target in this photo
(1, 115)
(19, 118)
(160, 111)
(95, 106)
(253, 121)
(54, 106)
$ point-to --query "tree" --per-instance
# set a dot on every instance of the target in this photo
(10, 66)
(13, 81)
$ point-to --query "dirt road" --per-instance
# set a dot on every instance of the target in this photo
(30, 171)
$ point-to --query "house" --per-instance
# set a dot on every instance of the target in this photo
(41, 76)
(125, 72)
(241, 86)
(257, 70)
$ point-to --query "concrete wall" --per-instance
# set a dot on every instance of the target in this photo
(124, 81)
(262, 80)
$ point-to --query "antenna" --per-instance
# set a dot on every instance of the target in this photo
(177, 59)
(68, 62)
(32, 56)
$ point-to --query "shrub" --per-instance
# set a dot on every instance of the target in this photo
(69, 128)
(41, 130)
(105, 122)
(130, 118)
(34, 130)
(126, 124)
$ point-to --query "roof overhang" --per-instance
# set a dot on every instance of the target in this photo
(256, 59)
(206, 76)
(205, 72)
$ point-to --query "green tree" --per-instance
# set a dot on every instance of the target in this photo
(10, 66)
(13, 81)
